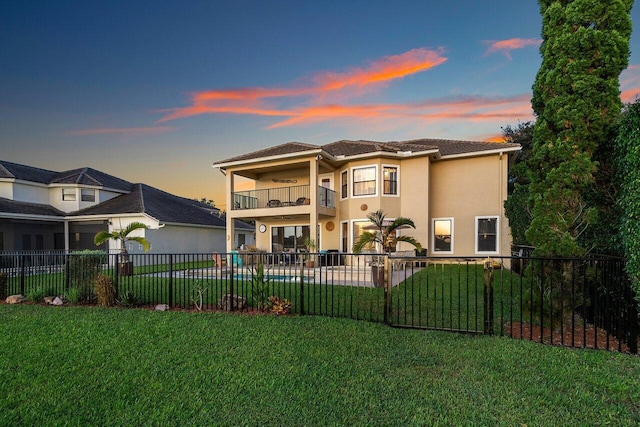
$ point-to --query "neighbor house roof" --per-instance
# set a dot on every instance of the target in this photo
(82, 176)
(24, 208)
(347, 148)
(163, 206)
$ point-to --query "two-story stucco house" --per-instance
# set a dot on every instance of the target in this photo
(47, 210)
(454, 191)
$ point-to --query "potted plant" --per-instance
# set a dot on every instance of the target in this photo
(310, 244)
(125, 267)
(382, 237)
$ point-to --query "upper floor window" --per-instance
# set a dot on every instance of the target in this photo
(344, 184)
(390, 180)
(487, 234)
(69, 194)
(364, 181)
(88, 195)
(443, 235)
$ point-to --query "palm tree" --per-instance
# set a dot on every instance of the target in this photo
(123, 237)
(383, 236)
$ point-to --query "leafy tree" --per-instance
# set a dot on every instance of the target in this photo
(576, 98)
(628, 143)
(123, 236)
(206, 201)
(516, 206)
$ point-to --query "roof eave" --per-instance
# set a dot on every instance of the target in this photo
(246, 162)
(480, 153)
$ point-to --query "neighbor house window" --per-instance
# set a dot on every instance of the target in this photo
(344, 185)
(443, 235)
(69, 194)
(390, 180)
(88, 195)
(487, 234)
(364, 181)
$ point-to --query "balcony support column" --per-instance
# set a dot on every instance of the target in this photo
(313, 195)
(230, 218)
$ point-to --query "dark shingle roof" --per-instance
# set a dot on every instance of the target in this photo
(25, 173)
(82, 176)
(165, 207)
(356, 148)
(24, 208)
(278, 150)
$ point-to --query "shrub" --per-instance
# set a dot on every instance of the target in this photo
(83, 268)
(73, 295)
(3, 285)
(259, 287)
(199, 290)
(280, 306)
(36, 294)
(129, 299)
(106, 292)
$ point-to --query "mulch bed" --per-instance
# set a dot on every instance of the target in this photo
(581, 335)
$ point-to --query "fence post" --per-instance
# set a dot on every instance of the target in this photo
(386, 281)
(301, 285)
(22, 267)
(488, 296)
(231, 279)
(171, 281)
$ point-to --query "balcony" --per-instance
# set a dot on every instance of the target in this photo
(281, 197)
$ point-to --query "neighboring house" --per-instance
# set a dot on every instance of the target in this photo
(454, 191)
(47, 210)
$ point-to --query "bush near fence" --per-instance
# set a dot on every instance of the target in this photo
(577, 302)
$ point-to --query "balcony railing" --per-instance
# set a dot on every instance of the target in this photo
(281, 197)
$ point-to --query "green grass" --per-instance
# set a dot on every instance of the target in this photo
(92, 366)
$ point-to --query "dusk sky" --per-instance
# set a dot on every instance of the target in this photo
(156, 91)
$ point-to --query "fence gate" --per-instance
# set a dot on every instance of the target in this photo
(440, 294)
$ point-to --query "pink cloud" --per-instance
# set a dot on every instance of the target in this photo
(259, 101)
(506, 46)
(630, 83)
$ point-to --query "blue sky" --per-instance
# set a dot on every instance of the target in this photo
(156, 91)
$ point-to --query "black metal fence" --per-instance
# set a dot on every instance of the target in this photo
(571, 302)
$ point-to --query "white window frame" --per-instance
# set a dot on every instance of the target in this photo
(375, 186)
(70, 196)
(477, 220)
(433, 235)
(341, 184)
(397, 168)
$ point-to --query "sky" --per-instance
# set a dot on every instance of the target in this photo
(157, 91)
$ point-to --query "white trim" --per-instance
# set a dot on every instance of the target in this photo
(348, 249)
(433, 235)
(397, 167)
(341, 172)
(375, 170)
(245, 162)
(480, 153)
(475, 239)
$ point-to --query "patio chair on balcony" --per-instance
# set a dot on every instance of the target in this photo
(274, 203)
(303, 201)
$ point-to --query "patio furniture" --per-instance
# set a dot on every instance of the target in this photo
(274, 203)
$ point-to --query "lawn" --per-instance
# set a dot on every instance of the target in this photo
(92, 366)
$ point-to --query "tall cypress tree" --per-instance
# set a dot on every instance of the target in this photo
(576, 98)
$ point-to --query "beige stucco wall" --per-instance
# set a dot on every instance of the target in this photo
(465, 188)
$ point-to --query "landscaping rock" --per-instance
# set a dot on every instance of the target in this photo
(162, 307)
(229, 300)
(49, 300)
(57, 301)
(15, 299)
